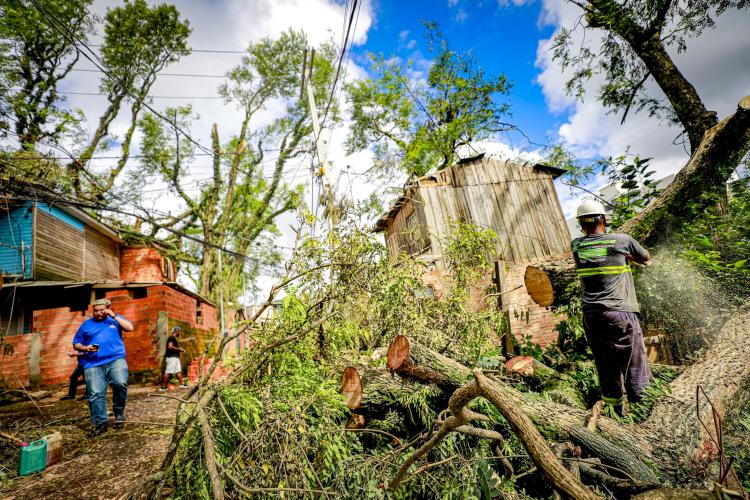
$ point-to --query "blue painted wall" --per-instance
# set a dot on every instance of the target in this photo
(59, 214)
(16, 227)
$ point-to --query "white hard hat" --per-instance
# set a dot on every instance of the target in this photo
(590, 208)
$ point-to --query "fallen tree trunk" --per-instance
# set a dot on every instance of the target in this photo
(414, 361)
(709, 167)
(538, 450)
(670, 438)
(558, 386)
(373, 391)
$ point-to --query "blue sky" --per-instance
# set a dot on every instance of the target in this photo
(504, 40)
(509, 36)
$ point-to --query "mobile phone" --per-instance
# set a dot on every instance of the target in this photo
(95, 346)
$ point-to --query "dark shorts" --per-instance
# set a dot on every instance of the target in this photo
(616, 341)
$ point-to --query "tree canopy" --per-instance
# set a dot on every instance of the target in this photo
(416, 123)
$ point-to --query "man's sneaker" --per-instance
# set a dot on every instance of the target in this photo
(100, 429)
(184, 386)
(65, 398)
(120, 418)
(163, 388)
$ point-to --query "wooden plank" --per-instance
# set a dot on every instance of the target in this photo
(544, 229)
(525, 249)
(432, 223)
(505, 208)
(563, 233)
(525, 187)
(59, 248)
(101, 256)
(441, 227)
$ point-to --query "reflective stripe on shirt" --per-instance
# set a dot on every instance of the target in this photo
(594, 271)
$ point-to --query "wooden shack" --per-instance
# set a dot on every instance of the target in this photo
(516, 199)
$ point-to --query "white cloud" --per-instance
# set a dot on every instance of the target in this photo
(716, 63)
(461, 16)
(231, 25)
(452, 3)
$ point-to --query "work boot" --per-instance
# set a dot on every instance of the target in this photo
(120, 418)
(65, 398)
(100, 429)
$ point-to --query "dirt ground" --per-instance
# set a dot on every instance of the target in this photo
(108, 466)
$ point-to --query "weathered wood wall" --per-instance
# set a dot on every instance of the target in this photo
(66, 252)
(101, 257)
(399, 237)
(517, 200)
(58, 249)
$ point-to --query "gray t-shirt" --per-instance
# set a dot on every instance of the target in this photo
(604, 271)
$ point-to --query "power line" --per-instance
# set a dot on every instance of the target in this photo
(191, 75)
(206, 51)
(148, 96)
(341, 60)
(56, 24)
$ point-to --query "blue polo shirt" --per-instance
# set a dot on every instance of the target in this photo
(108, 334)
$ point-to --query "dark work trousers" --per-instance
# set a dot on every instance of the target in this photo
(616, 341)
(77, 373)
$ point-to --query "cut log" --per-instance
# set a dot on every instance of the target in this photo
(558, 386)
(539, 286)
(414, 361)
(351, 387)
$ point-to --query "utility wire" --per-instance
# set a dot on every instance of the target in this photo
(341, 60)
(56, 24)
(206, 51)
(191, 75)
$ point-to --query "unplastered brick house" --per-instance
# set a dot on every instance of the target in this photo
(54, 261)
(516, 199)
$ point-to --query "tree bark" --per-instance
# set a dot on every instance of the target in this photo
(670, 438)
(416, 362)
(721, 149)
(647, 44)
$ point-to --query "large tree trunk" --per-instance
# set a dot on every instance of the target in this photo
(647, 44)
(670, 438)
(721, 149)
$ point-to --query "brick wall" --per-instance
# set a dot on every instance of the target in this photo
(526, 317)
(141, 265)
(55, 329)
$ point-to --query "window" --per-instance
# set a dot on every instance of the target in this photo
(139, 293)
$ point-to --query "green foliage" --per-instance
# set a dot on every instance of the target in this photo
(34, 58)
(419, 125)
(139, 41)
(638, 189)
(614, 60)
(718, 241)
(287, 402)
(489, 484)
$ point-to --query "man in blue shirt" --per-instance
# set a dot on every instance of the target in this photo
(100, 339)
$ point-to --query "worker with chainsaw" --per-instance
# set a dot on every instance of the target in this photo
(610, 307)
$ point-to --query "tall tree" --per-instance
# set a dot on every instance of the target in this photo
(237, 207)
(139, 41)
(36, 56)
(635, 45)
(419, 125)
